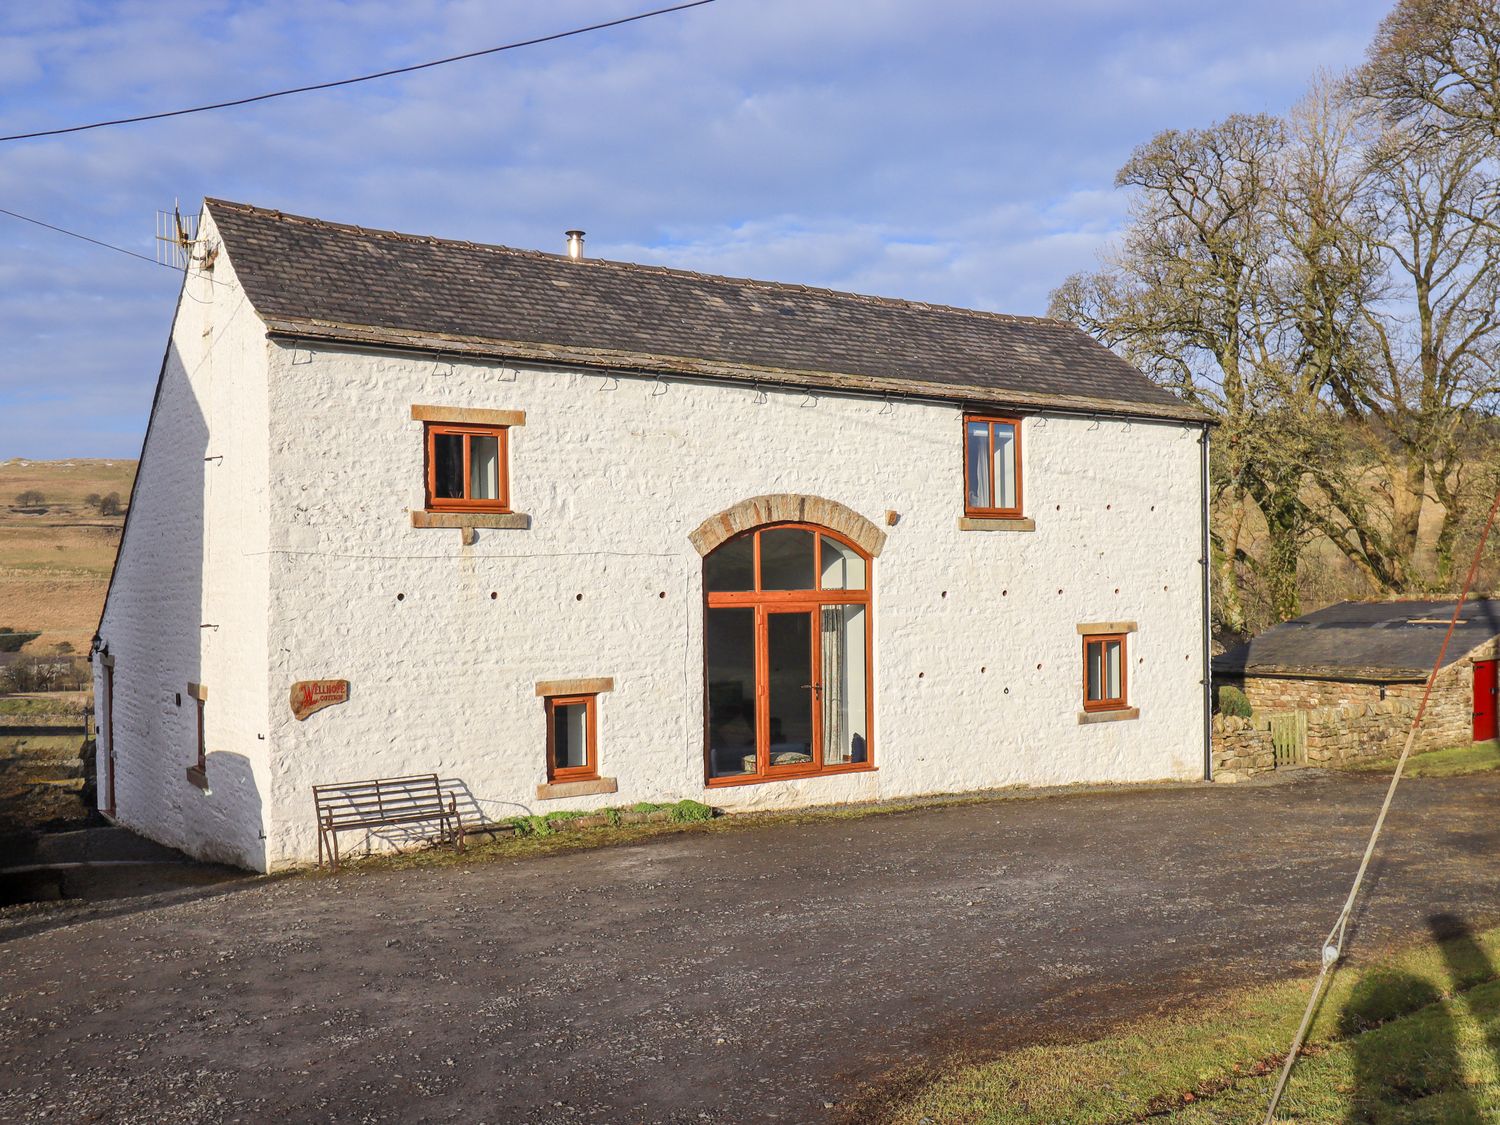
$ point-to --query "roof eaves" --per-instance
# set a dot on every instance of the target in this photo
(296, 328)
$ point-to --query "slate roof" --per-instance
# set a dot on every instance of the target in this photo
(1380, 641)
(312, 279)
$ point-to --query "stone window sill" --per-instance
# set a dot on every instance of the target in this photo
(973, 523)
(513, 521)
(553, 790)
(1118, 715)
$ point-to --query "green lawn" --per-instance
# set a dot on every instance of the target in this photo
(30, 707)
(1477, 757)
(1415, 1038)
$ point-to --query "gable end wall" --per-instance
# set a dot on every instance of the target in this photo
(187, 602)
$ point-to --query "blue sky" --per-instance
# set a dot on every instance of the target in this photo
(958, 151)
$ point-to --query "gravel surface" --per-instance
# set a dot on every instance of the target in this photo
(778, 972)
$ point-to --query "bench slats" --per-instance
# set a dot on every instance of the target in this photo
(380, 802)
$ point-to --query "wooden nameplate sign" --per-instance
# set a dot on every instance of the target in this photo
(311, 696)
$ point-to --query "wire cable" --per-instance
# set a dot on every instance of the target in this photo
(1333, 944)
(106, 245)
(361, 78)
(84, 237)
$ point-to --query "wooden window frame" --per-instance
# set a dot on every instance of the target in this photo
(202, 737)
(1122, 702)
(435, 503)
(589, 771)
(764, 602)
(991, 421)
(197, 773)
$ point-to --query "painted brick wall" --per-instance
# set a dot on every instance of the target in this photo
(188, 601)
(977, 658)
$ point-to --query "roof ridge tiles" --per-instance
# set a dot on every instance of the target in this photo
(639, 267)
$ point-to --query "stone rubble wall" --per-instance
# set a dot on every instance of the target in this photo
(1449, 718)
(1359, 731)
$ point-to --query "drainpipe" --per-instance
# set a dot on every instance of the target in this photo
(1208, 679)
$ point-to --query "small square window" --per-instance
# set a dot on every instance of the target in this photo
(467, 468)
(1104, 672)
(572, 738)
(992, 467)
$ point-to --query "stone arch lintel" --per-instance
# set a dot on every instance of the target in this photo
(788, 507)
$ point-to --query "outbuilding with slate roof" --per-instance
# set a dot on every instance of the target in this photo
(575, 534)
(1362, 652)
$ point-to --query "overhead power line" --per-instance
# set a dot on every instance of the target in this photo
(361, 78)
(84, 237)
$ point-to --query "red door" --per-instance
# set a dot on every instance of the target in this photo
(1484, 701)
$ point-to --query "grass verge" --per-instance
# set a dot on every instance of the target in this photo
(1413, 1037)
(1456, 761)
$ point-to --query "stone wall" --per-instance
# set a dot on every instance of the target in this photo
(1242, 747)
(1449, 718)
(1368, 731)
(188, 601)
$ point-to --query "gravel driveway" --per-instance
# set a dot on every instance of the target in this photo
(765, 973)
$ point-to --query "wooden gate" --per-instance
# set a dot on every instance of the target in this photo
(1289, 738)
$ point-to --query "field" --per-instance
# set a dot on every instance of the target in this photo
(56, 555)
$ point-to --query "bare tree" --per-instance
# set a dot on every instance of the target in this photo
(1191, 299)
(1435, 65)
(1328, 285)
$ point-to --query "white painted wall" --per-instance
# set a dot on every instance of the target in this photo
(189, 599)
(974, 689)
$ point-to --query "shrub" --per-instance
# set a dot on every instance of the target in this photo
(685, 811)
(111, 505)
(1232, 701)
(30, 498)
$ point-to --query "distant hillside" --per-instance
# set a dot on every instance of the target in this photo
(56, 552)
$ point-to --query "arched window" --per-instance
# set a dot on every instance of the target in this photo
(787, 649)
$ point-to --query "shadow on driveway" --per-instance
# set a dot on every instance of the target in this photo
(769, 973)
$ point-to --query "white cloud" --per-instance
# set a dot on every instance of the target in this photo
(958, 151)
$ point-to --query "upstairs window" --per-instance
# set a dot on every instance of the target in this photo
(992, 467)
(1104, 672)
(467, 468)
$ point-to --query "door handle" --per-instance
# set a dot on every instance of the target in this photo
(817, 688)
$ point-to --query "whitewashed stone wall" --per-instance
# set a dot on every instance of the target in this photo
(271, 541)
(977, 659)
(188, 602)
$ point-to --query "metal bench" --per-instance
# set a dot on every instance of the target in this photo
(384, 802)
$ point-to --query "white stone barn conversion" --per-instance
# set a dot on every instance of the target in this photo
(575, 534)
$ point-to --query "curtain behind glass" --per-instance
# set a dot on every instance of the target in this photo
(977, 456)
(835, 690)
(1005, 465)
(484, 467)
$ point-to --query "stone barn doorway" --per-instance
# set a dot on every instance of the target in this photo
(787, 655)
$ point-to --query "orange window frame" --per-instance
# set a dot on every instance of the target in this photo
(436, 503)
(990, 422)
(1108, 703)
(589, 771)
